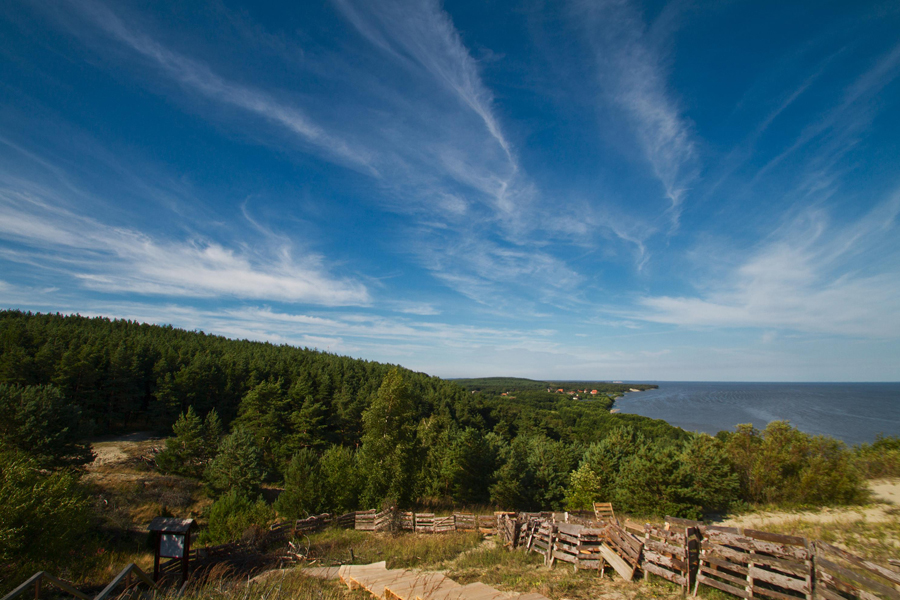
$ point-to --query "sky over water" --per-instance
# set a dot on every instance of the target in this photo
(570, 190)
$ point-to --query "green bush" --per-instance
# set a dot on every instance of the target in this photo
(233, 515)
(782, 465)
(44, 517)
(879, 459)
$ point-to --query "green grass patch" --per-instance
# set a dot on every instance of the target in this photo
(333, 547)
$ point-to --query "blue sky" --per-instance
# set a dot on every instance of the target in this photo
(570, 190)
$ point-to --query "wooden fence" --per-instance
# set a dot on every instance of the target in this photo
(671, 551)
(741, 562)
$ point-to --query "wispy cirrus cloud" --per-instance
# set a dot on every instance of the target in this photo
(37, 231)
(632, 74)
(814, 275)
(426, 127)
(423, 33)
(835, 131)
(198, 77)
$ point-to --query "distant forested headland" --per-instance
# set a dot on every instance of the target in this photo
(340, 434)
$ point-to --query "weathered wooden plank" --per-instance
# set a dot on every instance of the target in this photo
(665, 573)
(776, 538)
(862, 580)
(722, 575)
(666, 561)
(569, 529)
(889, 574)
(722, 586)
(683, 522)
(790, 583)
(625, 570)
(663, 548)
(724, 564)
(821, 592)
(746, 543)
(757, 590)
(565, 557)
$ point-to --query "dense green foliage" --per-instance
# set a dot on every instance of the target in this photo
(782, 465)
(44, 517)
(881, 458)
(40, 421)
(343, 434)
(193, 446)
(498, 385)
(234, 515)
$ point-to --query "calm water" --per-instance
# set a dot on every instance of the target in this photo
(853, 412)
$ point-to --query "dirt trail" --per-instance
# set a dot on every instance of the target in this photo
(884, 508)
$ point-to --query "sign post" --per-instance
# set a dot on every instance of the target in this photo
(172, 540)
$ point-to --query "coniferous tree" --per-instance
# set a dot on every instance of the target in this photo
(238, 466)
(388, 452)
(302, 495)
(39, 421)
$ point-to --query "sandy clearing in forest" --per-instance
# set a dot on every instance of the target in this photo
(886, 500)
(114, 450)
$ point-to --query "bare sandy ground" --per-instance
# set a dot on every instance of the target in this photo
(115, 450)
(885, 507)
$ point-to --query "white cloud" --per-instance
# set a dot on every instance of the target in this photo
(116, 259)
(631, 72)
(200, 78)
(424, 32)
(812, 276)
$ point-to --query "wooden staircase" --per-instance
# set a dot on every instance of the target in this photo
(403, 584)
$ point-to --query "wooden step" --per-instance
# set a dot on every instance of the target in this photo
(375, 584)
(347, 572)
(472, 591)
(425, 584)
(321, 572)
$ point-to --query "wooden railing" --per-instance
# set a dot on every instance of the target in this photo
(126, 575)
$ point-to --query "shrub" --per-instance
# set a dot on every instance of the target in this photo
(879, 459)
(233, 514)
(43, 517)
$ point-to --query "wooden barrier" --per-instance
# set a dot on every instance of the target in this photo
(385, 520)
(507, 530)
(424, 523)
(465, 522)
(407, 521)
(672, 551)
(365, 520)
(444, 524)
(487, 524)
(37, 579)
(566, 543)
(590, 554)
(311, 524)
(748, 564)
(628, 547)
(841, 575)
(346, 521)
(603, 511)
